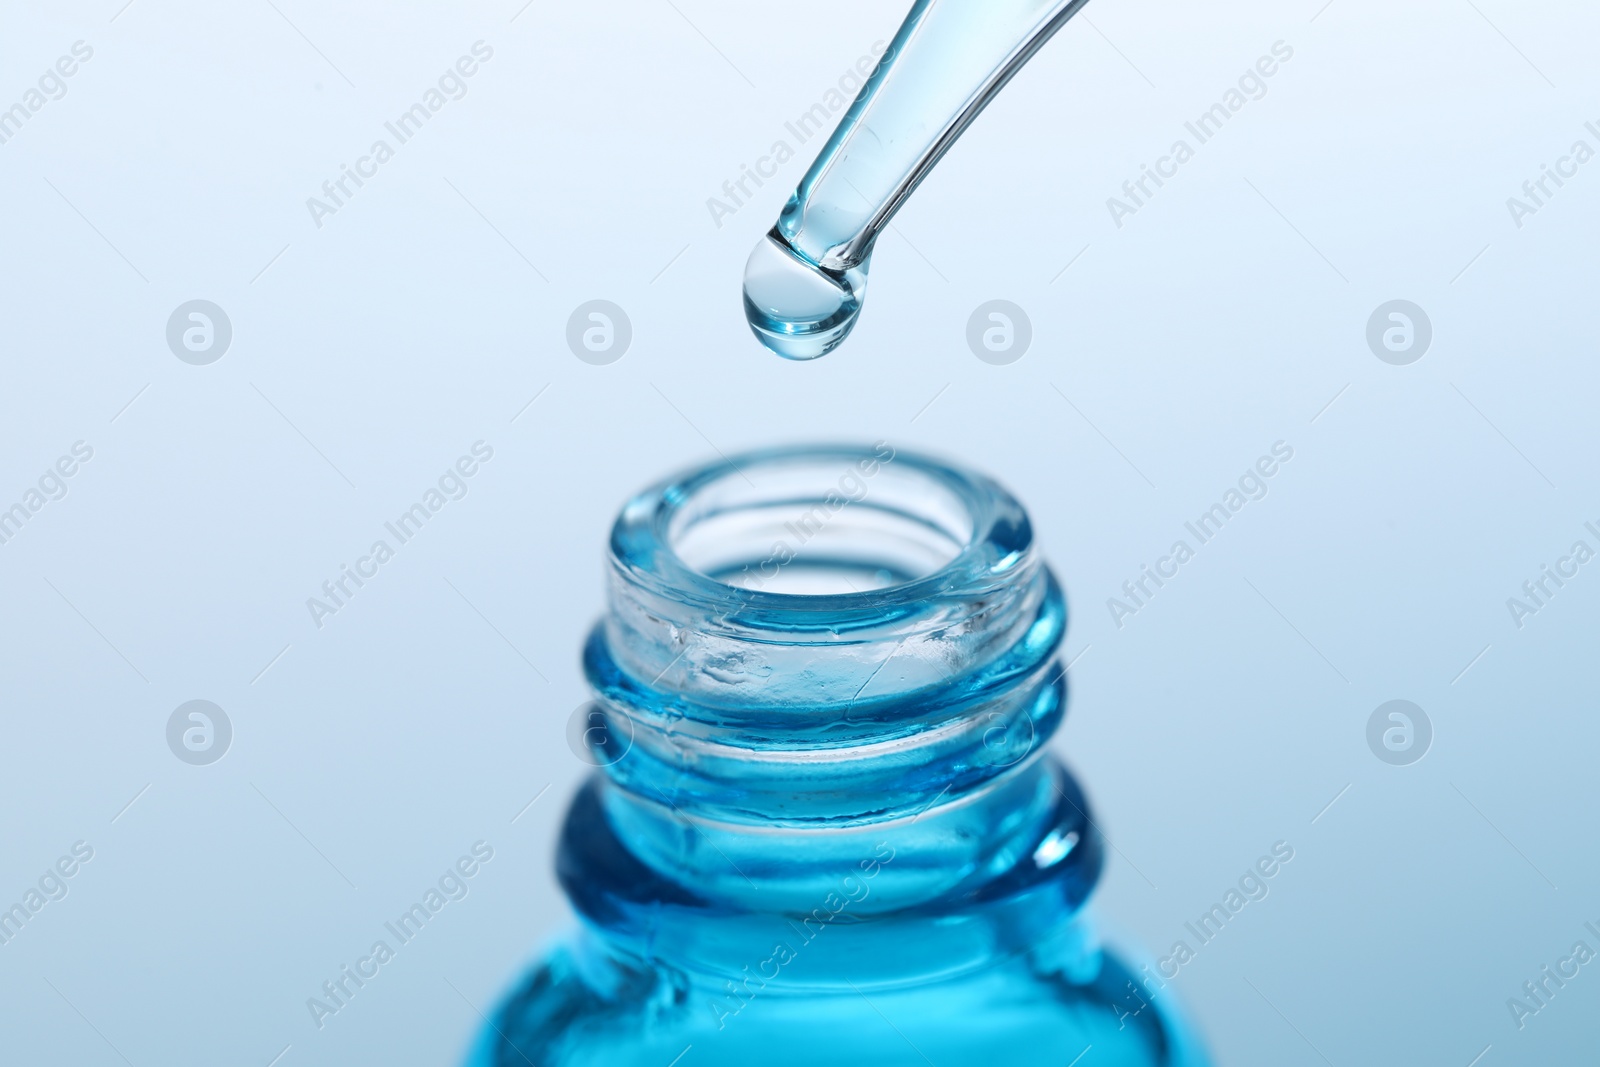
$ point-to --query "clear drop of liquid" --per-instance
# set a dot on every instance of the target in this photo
(796, 308)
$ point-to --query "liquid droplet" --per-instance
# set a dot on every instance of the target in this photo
(796, 308)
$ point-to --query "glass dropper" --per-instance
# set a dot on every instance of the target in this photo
(804, 283)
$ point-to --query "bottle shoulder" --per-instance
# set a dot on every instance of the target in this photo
(580, 1007)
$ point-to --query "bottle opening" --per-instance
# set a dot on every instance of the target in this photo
(821, 523)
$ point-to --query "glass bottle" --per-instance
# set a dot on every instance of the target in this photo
(827, 829)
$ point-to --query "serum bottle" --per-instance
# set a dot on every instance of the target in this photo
(828, 829)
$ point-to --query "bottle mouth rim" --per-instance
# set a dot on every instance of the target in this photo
(995, 538)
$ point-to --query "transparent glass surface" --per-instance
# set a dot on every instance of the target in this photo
(827, 829)
(805, 282)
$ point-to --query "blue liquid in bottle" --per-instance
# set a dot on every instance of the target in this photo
(828, 830)
(805, 282)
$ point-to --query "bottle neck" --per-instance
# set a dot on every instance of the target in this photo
(797, 742)
(950, 770)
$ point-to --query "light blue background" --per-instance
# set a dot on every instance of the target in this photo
(1218, 320)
